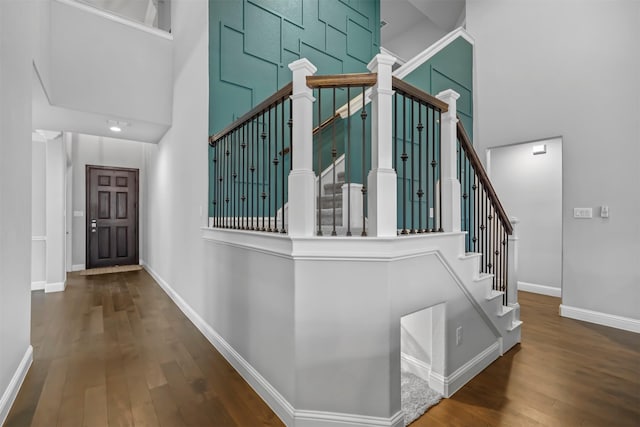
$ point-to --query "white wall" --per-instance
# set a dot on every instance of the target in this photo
(414, 40)
(38, 213)
(570, 68)
(16, 29)
(56, 170)
(100, 151)
(530, 188)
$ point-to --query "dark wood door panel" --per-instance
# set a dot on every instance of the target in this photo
(112, 216)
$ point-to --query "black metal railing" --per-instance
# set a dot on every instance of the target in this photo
(417, 158)
(334, 136)
(250, 169)
(482, 215)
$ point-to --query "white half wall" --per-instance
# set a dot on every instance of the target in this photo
(56, 171)
(530, 188)
(571, 68)
(100, 151)
(16, 51)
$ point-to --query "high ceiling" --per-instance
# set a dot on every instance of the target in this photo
(401, 15)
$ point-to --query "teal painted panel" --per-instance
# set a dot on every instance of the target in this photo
(251, 42)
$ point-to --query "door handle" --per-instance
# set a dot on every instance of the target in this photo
(94, 225)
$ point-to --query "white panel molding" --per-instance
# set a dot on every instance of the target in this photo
(55, 287)
(115, 18)
(9, 395)
(450, 384)
(38, 285)
(78, 267)
(276, 401)
(551, 291)
(599, 318)
(431, 51)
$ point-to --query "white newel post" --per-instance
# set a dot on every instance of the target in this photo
(449, 183)
(302, 177)
(512, 272)
(382, 181)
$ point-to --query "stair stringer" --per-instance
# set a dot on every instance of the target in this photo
(465, 269)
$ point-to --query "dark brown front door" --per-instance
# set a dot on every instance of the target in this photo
(112, 216)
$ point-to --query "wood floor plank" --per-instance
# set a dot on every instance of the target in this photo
(114, 350)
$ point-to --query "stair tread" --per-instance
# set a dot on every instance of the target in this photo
(494, 295)
(515, 325)
(504, 310)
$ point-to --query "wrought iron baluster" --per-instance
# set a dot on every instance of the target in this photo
(347, 165)
(275, 169)
(319, 160)
(433, 171)
(413, 224)
(440, 171)
(363, 115)
(334, 154)
(264, 165)
(404, 158)
(420, 191)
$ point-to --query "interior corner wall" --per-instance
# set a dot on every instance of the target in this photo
(414, 40)
(101, 151)
(16, 50)
(570, 68)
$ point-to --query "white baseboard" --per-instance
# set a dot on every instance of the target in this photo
(447, 386)
(55, 287)
(9, 395)
(540, 289)
(417, 367)
(323, 419)
(38, 286)
(78, 267)
(278, 403)
(611, 320)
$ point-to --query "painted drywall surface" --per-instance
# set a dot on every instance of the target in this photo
(118, 70)
(55, 211)
(101, 151)
(38, 212)
(414, 40)
(536, 81)
(16, 32)
(415, 335)
(530, 188)
(361, 339)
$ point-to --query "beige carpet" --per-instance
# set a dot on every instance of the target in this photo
(107, 270)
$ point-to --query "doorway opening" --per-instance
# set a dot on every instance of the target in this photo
(112, 216)
(422, 360)
(528, 178)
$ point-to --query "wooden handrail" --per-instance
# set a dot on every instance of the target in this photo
(342, 80)
(418, 94)
(465, 143)
(284, 92)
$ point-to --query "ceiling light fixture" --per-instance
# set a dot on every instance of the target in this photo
(116, 126)
(539, 149)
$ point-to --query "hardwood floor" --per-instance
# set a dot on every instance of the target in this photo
(565, 373)
(114, 350)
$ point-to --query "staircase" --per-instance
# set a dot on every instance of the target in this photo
(332, 196)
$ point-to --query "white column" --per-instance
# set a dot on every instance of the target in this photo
(301, 178)
(382, 181)
(512, 272)
(449, 183)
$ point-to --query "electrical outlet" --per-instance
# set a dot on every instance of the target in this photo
(459, 335)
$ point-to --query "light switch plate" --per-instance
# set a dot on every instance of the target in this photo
(583, 213)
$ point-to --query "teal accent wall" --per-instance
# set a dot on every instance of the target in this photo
(251, 43)
(451, 68)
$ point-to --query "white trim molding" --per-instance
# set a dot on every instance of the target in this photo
(116, 18)
(9, 395)
(417, 367)
(276, 401)
(599, 318)
(78, 267)
(55, 287)
(551, 291)
(413, 63)
(38, 285)
(448, 385)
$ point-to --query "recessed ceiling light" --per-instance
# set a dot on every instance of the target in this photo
(115, 128)
(540, 149)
